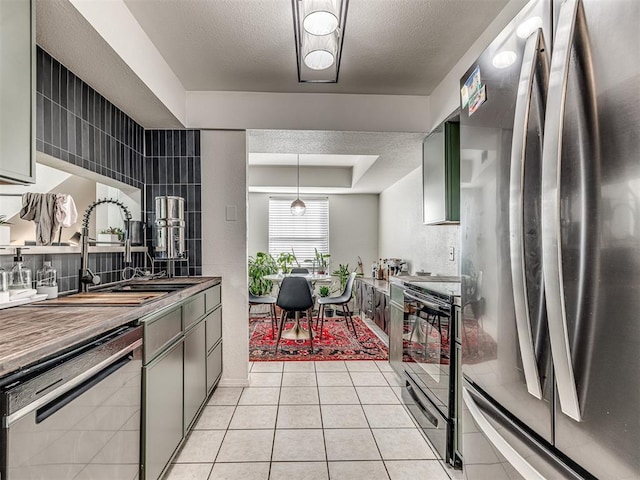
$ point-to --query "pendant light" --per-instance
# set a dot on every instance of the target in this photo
(297, 206)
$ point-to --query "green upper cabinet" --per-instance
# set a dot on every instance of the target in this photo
(17, 91)
(441, 175)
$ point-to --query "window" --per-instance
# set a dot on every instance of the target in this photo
(302, 234)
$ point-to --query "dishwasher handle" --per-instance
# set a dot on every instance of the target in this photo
(66, 398)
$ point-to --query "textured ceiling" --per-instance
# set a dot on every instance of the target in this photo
(402, 47)
(397, 153)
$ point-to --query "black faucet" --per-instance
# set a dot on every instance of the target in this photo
(87, 277)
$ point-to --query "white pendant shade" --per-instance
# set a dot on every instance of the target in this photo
(320, 23)
(298, 207)
(318, 60)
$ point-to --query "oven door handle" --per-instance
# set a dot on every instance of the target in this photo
(70, 385)
(59, 403)
(435, 306)
(425, 411)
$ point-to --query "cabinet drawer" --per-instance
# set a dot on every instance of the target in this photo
(162, 411)
(213, 297)
(192, 311)
(159, 330)
(214, 328)
(214, 366)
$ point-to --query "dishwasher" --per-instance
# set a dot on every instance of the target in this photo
(77, 415)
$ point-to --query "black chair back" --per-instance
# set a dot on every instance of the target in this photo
(294, 294)
(299, 270)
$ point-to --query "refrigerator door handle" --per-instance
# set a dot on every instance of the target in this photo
(534, 61)
(518, 462)
(571, 30)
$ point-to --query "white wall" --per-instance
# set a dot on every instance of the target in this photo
(353, 228)
(308, 111)
(403, 235)
(224, 242)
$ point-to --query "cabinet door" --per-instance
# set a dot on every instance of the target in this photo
(441, 175)
(162, 407)
(17, 91)
(195, 372)
(214, 328)
(214, 366)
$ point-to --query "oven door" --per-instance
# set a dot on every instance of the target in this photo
(426, 346)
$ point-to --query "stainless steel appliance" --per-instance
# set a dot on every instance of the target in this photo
(424, 348)
(169, 238)
(76, 415)
(550, 237)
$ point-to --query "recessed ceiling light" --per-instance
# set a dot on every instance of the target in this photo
(529, 26)
(320, 23)
(318, 59)
(504, 59)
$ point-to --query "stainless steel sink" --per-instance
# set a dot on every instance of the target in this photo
(152, 287)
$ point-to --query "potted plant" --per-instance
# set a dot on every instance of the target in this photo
(110, 235)
(343, 273)
(325, 291)
(285, 261)
(5, 231)
(259, 266)
(322, 261)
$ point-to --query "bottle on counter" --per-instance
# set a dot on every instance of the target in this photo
(46, 280)
(380, 275)
(374, 270)
(20, 276)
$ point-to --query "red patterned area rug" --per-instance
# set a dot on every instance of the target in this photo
(338, 342)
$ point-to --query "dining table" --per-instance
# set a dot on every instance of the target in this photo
(297, 332)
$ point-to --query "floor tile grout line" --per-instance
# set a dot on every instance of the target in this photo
(324, 439)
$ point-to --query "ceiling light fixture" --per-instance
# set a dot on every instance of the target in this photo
(297, 206)
(319, 32)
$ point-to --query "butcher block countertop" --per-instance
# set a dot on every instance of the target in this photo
(30, 334)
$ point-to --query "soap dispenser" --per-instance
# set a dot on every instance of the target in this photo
(20, 276)
(46, 280)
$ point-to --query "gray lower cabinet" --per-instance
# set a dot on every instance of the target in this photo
(214, 347)
(182, 364)
(195, 372)
(162, 421)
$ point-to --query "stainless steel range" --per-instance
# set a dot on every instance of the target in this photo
(424, 347)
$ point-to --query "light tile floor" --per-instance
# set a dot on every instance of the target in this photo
(309, 421)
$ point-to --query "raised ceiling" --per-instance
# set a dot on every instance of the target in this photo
(396, 47)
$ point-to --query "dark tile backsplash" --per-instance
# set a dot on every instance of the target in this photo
(78, 125)
(172, 167)
(108, 266)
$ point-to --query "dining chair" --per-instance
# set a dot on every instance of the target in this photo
(264, 300)
(341, 300)
(295, 296)
(299, 270)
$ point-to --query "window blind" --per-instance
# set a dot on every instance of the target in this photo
(303, 234)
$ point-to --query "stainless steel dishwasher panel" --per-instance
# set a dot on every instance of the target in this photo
(84, 427)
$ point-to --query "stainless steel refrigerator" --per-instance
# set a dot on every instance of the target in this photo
(550, 242)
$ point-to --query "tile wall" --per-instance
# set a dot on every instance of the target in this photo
(78, 125)
(172, 167)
